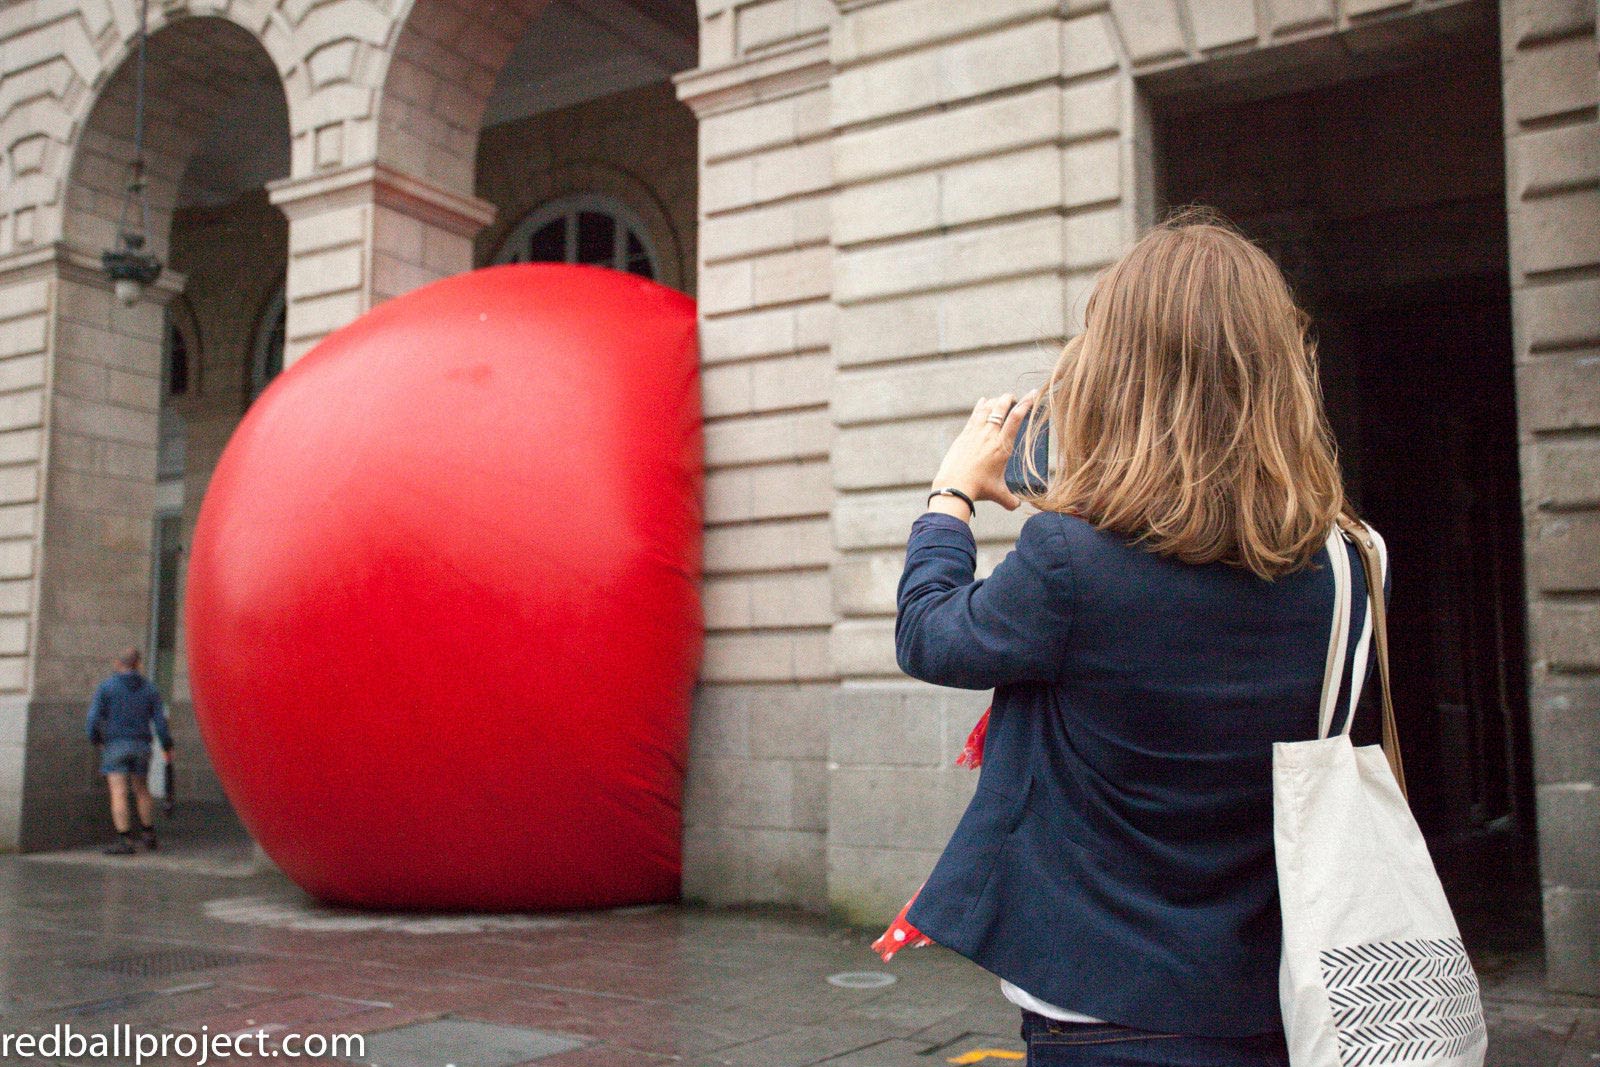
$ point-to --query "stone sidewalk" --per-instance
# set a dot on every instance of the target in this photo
(202, 937)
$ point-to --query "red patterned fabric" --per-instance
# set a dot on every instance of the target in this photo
(972, 751)
(901, 934)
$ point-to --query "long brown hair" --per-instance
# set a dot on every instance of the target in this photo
(1188, 414)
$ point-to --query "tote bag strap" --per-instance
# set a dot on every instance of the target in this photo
(1358, 663)
(1373, 562)
(1338, 635)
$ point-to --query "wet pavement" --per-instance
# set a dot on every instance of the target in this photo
(201, 938)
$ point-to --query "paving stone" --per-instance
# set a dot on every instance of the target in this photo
(463, 1043)
(804, 1044)
(1529, 1036)
(883, 1054)
(1583, 1047)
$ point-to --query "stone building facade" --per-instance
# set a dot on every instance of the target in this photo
(884, 207)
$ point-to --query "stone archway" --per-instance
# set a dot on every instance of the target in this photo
(440, 74)
(198, 69)
(381, 201)
(59, 63)
(90, 494)
(402, 179)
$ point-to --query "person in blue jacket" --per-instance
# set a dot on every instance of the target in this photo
(125, 710)
(1162, 621)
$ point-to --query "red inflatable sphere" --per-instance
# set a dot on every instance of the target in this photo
(443, 598)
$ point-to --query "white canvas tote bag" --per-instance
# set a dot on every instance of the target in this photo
(1373, 969)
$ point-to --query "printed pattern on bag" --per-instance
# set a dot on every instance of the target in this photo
(1403, 1001)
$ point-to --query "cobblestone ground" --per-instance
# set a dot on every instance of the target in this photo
(194, 937)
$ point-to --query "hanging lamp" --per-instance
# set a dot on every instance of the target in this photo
(129, 266)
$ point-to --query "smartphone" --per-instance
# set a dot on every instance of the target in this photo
(1018, 478)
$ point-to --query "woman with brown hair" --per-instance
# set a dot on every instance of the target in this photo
(1162, 621)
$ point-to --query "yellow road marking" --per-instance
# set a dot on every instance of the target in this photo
(978, 1054)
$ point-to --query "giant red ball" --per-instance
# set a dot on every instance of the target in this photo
(442, 605)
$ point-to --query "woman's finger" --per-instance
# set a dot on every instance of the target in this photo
(998, 409)
(1013, 423)
(980, 411)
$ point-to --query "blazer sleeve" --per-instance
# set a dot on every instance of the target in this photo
(1010, 627)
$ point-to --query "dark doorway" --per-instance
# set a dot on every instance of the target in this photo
(1375, 174)
(1437, 451)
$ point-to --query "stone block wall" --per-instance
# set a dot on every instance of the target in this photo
(37, 306)
(756, 816)
(96, 496)
(359, 235)
(1553, 147)
(27, 303)
(981, 158)
(101, 422)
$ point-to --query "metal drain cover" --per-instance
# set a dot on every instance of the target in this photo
(862, 979)
(163, 962)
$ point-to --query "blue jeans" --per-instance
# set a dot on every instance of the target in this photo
(1057, 1044)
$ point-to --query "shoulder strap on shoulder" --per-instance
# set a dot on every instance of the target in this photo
(1338, 634)
(1374, 563)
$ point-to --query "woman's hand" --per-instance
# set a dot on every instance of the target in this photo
(976, 461)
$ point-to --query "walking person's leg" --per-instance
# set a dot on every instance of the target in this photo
(121, 818)
(117, 781)
(145, 804)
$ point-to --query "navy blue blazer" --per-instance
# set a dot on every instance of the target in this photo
(1116, 858)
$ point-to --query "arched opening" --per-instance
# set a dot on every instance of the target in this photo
(147, 395)
(583, 118)
(541, 107)
(266, 347)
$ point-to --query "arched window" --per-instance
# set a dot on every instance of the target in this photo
(174, 356)
(180, 356)
(591, 229)
(266, 356)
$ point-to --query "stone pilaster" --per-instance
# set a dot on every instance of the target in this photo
(1552, 86)
(27, 296)
(757, 804)
(79, 392)
(363, 234)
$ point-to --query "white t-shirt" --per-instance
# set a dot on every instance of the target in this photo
(1023, 999)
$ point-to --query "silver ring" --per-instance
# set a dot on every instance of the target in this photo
(996, 419)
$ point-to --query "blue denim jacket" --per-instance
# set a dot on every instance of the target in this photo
(127, 707)
(1116, 858)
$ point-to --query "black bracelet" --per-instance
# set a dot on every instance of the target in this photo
(959, 495)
